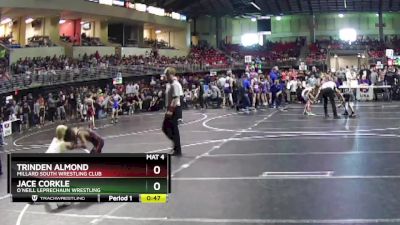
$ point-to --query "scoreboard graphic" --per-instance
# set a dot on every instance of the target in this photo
(106, 177)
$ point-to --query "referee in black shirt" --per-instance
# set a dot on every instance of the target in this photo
(328, 91)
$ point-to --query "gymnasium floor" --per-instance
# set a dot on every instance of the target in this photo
(266, 167)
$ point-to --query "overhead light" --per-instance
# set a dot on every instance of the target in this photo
(253, 19)
(156, 11)
(335, 56)
(278, 18)
(29, 20)
(255, 6)
(176, 16)
(348, 34)
(82, 22)
(250, 39)
(377, 14)
(158, 31)
(140, 7)
(345, 4)
(6, 20)
(341, 15)
(61, 21)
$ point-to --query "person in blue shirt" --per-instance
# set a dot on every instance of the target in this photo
(246, 87)
(274, 74)
(276, 92)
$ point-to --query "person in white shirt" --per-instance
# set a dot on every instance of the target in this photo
(58, 144)
(181, 96)
(292, 86)
(228, 89)
(135, 89)
(129, 89)
(308, 97)
(328, 90)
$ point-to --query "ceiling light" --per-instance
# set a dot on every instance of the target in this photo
(61, 22)
(158, 31)
(29, 20)
(279, 18)
(6, 20)
(253, 19)
(341, 15)
(255, 6)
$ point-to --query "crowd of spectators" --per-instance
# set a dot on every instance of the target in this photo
(316, 53)
(69, 102)
(149, 95)
(269, 52)
(53, 67)
(206, 55)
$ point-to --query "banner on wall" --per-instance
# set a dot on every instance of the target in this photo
(365, 94)
(7, 130)
(303, 66)
(379, 65)
(389, 53)
(247, 59)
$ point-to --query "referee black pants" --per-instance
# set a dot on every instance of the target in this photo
(329, 93)
(171, 130)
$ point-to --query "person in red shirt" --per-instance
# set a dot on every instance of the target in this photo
(284, 76)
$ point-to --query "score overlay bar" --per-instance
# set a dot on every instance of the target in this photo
(87, 177)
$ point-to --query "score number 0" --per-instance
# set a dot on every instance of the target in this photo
(157, 185)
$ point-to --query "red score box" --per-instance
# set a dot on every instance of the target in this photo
(154, 169)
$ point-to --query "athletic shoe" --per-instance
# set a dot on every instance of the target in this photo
(353, 115)
(311, 114)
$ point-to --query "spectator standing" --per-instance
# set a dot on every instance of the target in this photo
(52, 107)
(36, 112)
(374, 76)
(274, 74)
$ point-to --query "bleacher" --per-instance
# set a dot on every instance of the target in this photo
(269, 52)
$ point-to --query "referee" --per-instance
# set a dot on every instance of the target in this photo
(328, 91)
(170, 124)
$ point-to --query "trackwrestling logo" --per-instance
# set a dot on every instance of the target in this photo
(34, 198)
